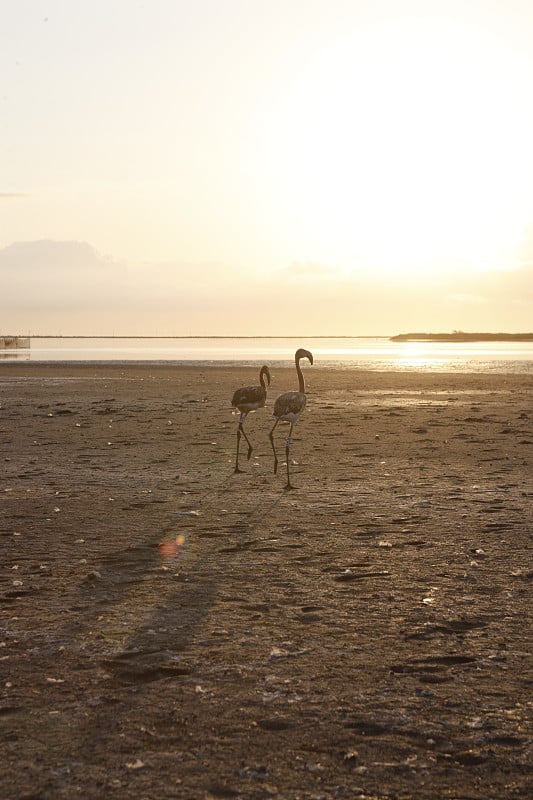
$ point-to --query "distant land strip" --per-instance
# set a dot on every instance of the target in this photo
(460, 336)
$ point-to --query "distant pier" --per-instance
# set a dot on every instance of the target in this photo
(14, 342)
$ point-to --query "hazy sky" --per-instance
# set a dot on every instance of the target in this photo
(266, 166)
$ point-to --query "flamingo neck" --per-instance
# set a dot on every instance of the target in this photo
(300, 377)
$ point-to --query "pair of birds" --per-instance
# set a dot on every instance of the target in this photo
(287, 408)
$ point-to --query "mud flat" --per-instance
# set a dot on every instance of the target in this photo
(172, 630)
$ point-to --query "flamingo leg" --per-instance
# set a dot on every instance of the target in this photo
(237, 456)
(287, 457)
(250, 448)
(240, 432)
(271, 437)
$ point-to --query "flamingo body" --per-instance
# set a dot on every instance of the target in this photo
(248, 399)
(287, 408)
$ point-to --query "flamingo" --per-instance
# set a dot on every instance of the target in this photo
(246, 399)
(288, 408)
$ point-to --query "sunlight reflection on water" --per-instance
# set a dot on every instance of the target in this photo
(377, 353)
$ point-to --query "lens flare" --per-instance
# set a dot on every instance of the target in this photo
(173, 548)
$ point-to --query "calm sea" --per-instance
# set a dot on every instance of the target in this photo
(377, 353)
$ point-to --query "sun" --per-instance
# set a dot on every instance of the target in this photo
(405, 148)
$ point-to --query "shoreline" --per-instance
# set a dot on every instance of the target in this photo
(522, 368)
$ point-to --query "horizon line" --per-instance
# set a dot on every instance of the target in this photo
(200, 336)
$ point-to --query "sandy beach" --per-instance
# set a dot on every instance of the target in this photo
(173, 630)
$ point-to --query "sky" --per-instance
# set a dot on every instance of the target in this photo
(265, 167)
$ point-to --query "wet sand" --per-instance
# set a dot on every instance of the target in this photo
(173, 630)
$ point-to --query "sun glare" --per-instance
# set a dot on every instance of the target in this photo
(406, 148)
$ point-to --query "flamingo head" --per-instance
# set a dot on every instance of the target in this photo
(301, 353)
(265, 371)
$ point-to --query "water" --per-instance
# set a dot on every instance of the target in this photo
(377, 353)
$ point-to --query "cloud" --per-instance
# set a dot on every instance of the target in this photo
(502, 286)
(69, 287)
(48, 256)
(468, 299)
(11, 195)
(49, 275)
(73, 281)
(311, 269)
(53, 275)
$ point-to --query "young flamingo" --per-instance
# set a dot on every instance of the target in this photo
(288, 408)
(246, 399)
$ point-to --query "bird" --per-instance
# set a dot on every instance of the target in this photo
(246, 399)
(287, 408)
